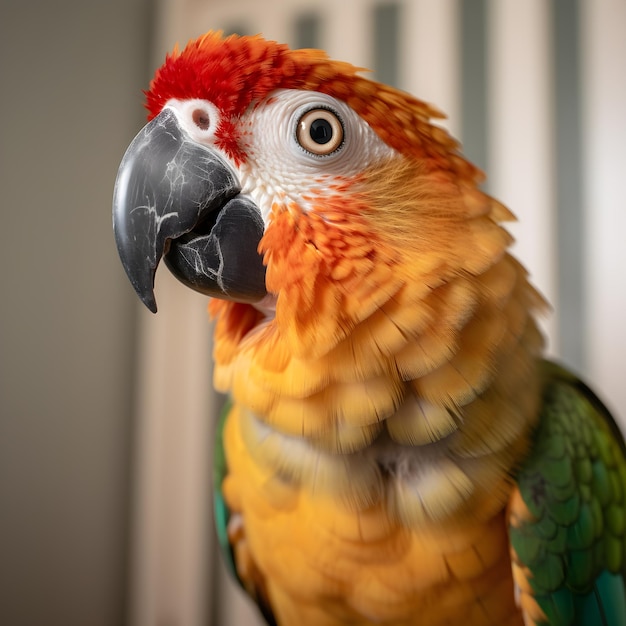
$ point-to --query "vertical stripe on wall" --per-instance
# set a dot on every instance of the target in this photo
(569, 236)
(386, 42)
(236, 29)
(521, 143)
(430, 57)
(474, 81)
(307, 29)
(603, 28)
(347, 34)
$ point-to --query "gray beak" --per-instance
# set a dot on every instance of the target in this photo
(176, 198)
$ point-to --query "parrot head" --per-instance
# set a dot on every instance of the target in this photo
(265, 170)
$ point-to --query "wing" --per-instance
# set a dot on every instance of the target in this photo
(567, 516)
(230, 531)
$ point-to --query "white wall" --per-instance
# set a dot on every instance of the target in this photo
(604, 136)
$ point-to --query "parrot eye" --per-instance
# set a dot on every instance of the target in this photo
(320, 132)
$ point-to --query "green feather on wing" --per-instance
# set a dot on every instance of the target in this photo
(572, 543)
(220, 510)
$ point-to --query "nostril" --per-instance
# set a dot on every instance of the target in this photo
(201, 119)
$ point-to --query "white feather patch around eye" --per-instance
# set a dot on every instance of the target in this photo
(277, 152)
(200, 118)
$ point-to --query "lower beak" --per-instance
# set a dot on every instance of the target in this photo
(178, 198)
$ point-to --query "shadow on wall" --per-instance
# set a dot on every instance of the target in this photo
(72, 79)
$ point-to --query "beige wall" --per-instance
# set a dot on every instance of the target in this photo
(71, 74)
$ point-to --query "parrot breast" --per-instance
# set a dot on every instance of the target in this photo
(374, 381)
(323, 565)
(371, 443)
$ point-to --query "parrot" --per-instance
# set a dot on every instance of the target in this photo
(395, 447)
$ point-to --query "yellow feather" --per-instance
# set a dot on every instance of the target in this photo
(498, 282)
(476, 203)
(299, 379)
(417, 422)
(500, 213)
(356, 404)
(431, 350)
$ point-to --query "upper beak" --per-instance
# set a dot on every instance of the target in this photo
(176, 197)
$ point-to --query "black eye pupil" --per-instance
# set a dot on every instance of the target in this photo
(321, 131)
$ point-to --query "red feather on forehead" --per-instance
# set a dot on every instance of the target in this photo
(231, 73)
(235, 73)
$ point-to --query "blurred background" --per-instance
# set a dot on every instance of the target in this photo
(105, 427)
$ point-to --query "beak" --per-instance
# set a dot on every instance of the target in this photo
(181, 199)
